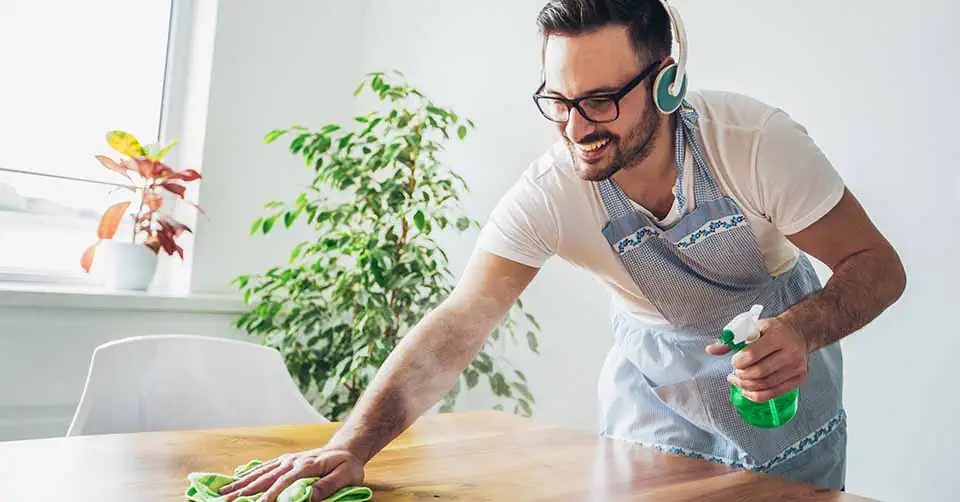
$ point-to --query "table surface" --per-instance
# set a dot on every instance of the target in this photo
(480, 456)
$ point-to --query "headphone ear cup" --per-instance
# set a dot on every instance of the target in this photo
(662, 98)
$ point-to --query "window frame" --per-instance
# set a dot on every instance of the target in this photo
(190, 32)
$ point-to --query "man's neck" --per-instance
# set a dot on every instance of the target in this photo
(650, 182)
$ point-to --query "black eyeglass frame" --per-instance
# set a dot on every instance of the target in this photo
(616, 97)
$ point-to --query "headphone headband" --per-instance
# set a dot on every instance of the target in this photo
(681, 37)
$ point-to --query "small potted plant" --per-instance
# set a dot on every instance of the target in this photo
(130, 263)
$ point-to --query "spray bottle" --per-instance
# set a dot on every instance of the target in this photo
(739, 332)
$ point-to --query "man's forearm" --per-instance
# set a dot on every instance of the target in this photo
(422, 368)
(861, 288)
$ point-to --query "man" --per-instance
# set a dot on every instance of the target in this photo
(690, 217)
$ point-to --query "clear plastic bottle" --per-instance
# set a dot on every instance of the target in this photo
(739, 332)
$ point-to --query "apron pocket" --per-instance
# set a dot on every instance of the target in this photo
(685, 399)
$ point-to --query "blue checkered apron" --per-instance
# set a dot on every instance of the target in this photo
(658, 387)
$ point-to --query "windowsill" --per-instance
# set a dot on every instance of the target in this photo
(47, 296)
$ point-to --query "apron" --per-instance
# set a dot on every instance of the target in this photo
(658, 387)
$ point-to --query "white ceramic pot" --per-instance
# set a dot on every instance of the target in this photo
(124, 265)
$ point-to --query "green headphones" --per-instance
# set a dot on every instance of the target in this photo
(670, 87)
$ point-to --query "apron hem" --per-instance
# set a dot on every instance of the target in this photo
(793, 451)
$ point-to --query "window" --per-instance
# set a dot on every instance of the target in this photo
(70, 72)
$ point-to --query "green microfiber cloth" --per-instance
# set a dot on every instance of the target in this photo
(205, 487)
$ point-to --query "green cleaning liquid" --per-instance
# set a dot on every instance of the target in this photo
(737, 334)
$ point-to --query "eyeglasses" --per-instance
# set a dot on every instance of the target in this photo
(598, 108)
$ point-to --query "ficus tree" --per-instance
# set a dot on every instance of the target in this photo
(372, 267)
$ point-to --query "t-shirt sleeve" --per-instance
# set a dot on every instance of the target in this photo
(522, 226)
(796, 182)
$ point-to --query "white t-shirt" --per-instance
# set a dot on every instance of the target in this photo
(759, 156)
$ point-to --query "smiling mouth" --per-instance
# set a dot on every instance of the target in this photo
(593, 149)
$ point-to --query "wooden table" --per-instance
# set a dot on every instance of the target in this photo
(483, 456)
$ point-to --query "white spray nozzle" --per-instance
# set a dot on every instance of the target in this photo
(744, 326)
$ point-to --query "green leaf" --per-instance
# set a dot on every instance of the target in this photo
(499, 385)
(269, 222)
(420, 220)
(483, 363)
(291, 216)
(273, 135)
(498, 407)
(436, 111)
(524, 391)
(462, 132)
(525, 407)
(297, 144)
(472, 378)
(532, 342)
(463, 223)
(330, 128)
(297, 250)
(533, 321)
(359, 88)
(257, 224)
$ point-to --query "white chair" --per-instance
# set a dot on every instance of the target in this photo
(178, 382)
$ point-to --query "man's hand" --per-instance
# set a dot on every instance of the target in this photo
(336, 469)
(771, 366)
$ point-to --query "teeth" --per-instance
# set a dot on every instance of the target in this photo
(596, 145)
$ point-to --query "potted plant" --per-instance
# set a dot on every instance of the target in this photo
(372, 268)
(130, 263)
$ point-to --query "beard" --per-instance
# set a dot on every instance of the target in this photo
(628, 152)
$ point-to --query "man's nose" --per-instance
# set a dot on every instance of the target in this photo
(577, 127)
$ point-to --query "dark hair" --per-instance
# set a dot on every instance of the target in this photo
(646, 20)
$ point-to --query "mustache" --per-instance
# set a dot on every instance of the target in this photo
(594, 137)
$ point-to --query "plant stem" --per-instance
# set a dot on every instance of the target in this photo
(136, 219)
(411, 186)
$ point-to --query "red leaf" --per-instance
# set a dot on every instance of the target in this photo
(161, 170)
(113, 166)
(111, 220)
(87, 259)
(187, 175)
(175, 188)
(200, 209)
(153, 243)
(173, 226)
(145, 167)
(166, 241)
(153, 201)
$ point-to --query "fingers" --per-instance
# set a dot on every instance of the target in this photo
(249, 477)
(767, 383)
(777, 391)
(261, 483)
(754, 352)
(717, 349)
(342, 475)
(282, 483)
(777, 361)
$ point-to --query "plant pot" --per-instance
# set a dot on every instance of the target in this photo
(124, 265)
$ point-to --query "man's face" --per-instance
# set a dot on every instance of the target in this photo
(601, 63)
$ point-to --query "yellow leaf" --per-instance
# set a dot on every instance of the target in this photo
(163, 152)
(125, 143)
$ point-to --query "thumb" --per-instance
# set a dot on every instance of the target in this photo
(717, 349)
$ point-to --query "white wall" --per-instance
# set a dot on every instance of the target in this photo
(276, 64)
(873, 82)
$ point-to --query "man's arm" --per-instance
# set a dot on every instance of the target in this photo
(867, 278)
(419, 371)
(427, 362)
(868, 275)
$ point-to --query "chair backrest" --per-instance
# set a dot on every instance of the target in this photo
(178, 382)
